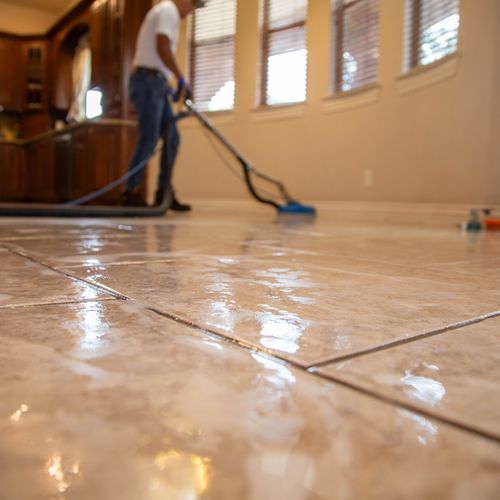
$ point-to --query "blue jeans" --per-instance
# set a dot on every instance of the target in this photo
(156, 119)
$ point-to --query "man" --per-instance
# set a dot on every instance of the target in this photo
(154, 65)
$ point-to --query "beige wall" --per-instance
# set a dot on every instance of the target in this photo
(24, 20)
(437, 143)
(495, 111)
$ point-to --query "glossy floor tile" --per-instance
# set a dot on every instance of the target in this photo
(111, 401)
(301, 314)
(168, 357)
(455, 374)
(24, 282)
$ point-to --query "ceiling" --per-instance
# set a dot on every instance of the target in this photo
(51, 6)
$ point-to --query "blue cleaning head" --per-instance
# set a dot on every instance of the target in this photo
(296, 208)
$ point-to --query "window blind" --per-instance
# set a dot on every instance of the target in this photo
(355, 43)
(212, 55)
(284, 52)
(431, 30)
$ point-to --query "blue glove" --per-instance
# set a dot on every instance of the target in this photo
(183, 91)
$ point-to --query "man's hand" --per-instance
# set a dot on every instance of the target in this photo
(183, 91)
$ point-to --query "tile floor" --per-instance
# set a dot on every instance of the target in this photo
(231, 354)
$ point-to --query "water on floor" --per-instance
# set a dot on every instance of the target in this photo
(233, 354)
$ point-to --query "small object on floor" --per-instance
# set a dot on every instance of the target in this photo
(491, 219)
(132, 199)
(474, 224)
(492, 223)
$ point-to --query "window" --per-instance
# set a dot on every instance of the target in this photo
(212, 55)
(431, 30)
(355, 43)
(284, 52)
(93, 107)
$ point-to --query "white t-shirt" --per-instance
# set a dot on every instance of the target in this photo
(162, 19)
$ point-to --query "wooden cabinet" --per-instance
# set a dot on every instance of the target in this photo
(40, 180)
(63, 168)
(114, 26)
(100, 156)
(35, 71)
(10, 68)
(106, 28)
(23, 74)
(34, 123)
(12, 172)
(82, 182)
(34, 80)
(67, 165)
(36, 88)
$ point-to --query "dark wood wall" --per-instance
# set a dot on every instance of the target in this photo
(65, 165)
(36, 89)
(112, 25)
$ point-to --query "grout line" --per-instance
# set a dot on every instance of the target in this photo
(400, 342)
(409, 407)
(308, 370)
(99, 287)
(56, 303)
(248, 346)
(117, 295)
(113, 264)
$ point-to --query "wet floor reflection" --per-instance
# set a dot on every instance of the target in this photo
(280, 330)
(423, 389)
(426, 431)
(222, 307)
(94, 326)
(133, 399)
(16, 416)
(180, 475)
(61, 472)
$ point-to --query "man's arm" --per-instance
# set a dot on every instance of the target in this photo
(165, 51)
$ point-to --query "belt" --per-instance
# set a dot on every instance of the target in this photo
(150, 71)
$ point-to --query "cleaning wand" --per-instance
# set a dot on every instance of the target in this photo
(291, 206)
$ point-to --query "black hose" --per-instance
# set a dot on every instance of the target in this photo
(50, 210)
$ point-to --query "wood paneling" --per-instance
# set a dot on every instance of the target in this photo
(34, 123)
(107, 60)
(12, 172)
(40, 180)
(10, 69)
(91, 156)
(34, 75)
(82, 182)
(67, 165)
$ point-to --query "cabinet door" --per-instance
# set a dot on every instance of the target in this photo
(81, 180)
(100, 155)
(63, 168)
(35, 75)
(40, 181)
(12, 172)
(104, 157)
(10, 80)
(107, 58)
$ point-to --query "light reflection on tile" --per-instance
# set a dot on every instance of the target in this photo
(105, 399)
(25, 282)
(424, 389)
(167, 415)
(328, 315)
(455, 375)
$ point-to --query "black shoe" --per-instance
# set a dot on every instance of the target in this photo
(177, 206)
(159, 197)
(132, 199)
